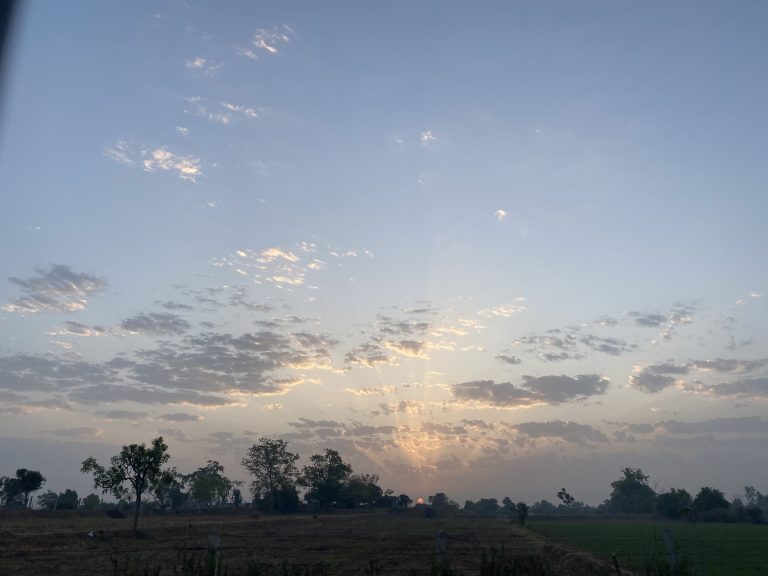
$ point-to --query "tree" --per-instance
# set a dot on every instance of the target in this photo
(522, 512)
(674, 504)
(137, 465)
(16, 491)
(441, 501)
(403, 500)
(631, 494)
(709, 499)
(48, 500)
(208, 485)
(361, 489)
(565, 498)
(91, 502)
(10, 492)
(274, 471)
(237, 498)
(68, 500)
(325, 477)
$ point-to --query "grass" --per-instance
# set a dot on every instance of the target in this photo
(335, 544)
(705, 549)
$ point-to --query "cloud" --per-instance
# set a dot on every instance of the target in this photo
(737, 425)
(83, 431)
(181, 417)
(500, 215)
(427, 138)
(748, 387)
(186, 167)
(506, 359)
(368, 355)
(202, 66)
(120, 152)
(558, 345)
(55, 289)
(156, 324)
(120, 414)
(505, 310)
(371, 390)
(268, 41)
(648, 320)
(580, 434)
(655, 378)
(532, 390)
(70, 328)
(272, 407)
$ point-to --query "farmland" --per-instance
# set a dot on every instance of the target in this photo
(378, 543)
(705, 549)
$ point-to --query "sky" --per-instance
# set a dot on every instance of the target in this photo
(489, 249)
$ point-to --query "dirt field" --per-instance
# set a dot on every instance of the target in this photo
(337, 543)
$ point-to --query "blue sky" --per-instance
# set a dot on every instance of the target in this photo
(486, 249)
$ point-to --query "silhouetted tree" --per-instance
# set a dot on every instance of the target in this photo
(48, 500)
(441, 501)
(674, 504)
(16, 491)
(325, 477)
(709, 499)
(632, 494)
(237, 498)
(274, 473)
(91, 502)
(361, 488)
(565, 498)
(522, 512)
(404, 500)
(208, 485)
(137, 465)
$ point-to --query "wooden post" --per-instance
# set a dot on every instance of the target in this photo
(214, 541)
(671, 545)
(441, 547)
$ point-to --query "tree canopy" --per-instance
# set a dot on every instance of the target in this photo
(274, 472)
(137, 465)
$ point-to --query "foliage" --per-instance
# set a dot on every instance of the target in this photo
(136, 465)
(361, 489)
(208, 485)
(565, 498)
(403, 500)
(325, 477)
(484, 506)
(709, 499)
(674, 504)
(15, 492)
(441, 501)
(68, 500)
(632, 494)
(237, 497)
(48, 500)
(522, 512)
(274, 472)
(91, 502)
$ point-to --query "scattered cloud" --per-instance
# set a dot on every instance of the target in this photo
(506, 359)
(533, 390)
(181, 417)
(156, 324)
(500, 215)
(121, 414)
(186, 167)
(79, 432)
(505, 310)
(268, 41)
(580, 434)
(202, 66)
(54, 289)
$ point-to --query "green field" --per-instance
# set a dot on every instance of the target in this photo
(705, 549)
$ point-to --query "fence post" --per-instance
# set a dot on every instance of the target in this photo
(671, 545)
(214, 541)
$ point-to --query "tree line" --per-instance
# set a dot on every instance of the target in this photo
(139, 471)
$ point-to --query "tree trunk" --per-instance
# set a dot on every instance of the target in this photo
(136, 514)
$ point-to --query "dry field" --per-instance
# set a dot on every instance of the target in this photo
(337, 543)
